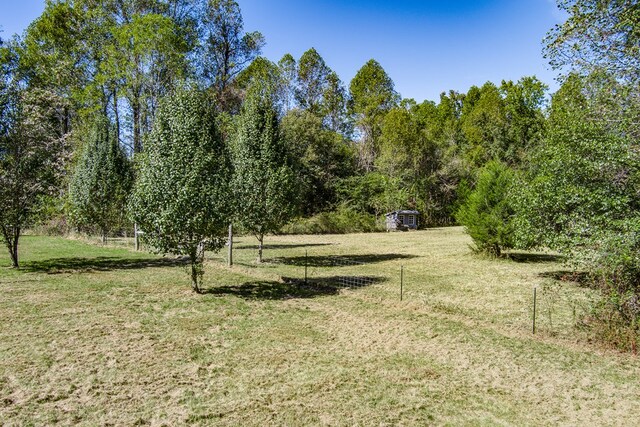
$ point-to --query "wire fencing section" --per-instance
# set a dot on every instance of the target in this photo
(557, 309)
(338, 271)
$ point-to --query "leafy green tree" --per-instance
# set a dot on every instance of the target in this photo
(113, 56)
(289, 73)
(226, 49)
(484, 125)
(264, 76)
(182, 199)
(101, 181)
(372, 95)
(487, 214)
(598, 34)
(324, 159)
(264, 182)
(523, 105)
(33, 153)
(582, 193)
(584, 179)
(313, 81)
(335, 105)
(401, 140)
(147, 58)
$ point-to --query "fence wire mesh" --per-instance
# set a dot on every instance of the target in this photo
(339, 271)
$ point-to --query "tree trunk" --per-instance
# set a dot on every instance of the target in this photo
(194, 275)
(116, 113)
(197, 260)
(137, 142)
(14, 251)
(104, 237)
(230, 258)
(260, 242)
(11, 236)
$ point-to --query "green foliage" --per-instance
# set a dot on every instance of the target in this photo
(523, 105)
(363, 192)
(111, 56)
(372, 95)
(582, 195)
(372, 91)
(323, 157)
(266, 189)
(585, 176)
(483, 123)
(101, 182)
(226, 49)
(598, 34)
(344, 219)
(182, 199)
(487, 213)
(33, 153)
(313, 81)
(264, 76)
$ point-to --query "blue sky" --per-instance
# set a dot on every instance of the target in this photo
(427, 46)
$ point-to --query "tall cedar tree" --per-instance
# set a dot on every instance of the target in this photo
(181, 198)
(487, 213)
(265, 184)
(101, 181)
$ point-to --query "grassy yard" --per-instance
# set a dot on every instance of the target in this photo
(105, 336)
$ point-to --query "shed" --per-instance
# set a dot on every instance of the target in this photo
(402, 220)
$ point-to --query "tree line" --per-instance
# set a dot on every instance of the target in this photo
(164, 113)
(353, 152)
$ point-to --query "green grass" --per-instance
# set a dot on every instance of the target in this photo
(106, 336)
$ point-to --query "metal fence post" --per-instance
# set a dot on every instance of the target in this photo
(534, 310)
(230, 257)
(306, 263)
(401, 280)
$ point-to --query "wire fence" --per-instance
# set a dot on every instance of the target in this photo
(337, 271)
(555, 309)
(550, 308)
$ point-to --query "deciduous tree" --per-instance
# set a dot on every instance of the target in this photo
(598, 34)
(226, 48)
(264, 182)
(101, 181)
(182, 196)
(33, 152)
(372, 95)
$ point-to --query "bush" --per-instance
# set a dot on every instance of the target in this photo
(341, 221)
(487, 211)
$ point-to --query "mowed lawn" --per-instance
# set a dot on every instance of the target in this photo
(106, 336)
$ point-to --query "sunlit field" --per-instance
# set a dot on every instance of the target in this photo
(95, 335)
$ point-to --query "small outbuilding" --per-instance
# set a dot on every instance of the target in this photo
(402, 220)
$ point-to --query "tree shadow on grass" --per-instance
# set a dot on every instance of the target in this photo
(580, 278)
(80, 265)
(532, 258)
(338, 260)
(291, 288)
(272, 290)
(281, 246)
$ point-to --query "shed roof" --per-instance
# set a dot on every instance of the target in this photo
(403, 212)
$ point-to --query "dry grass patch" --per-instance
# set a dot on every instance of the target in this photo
(97, 335)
